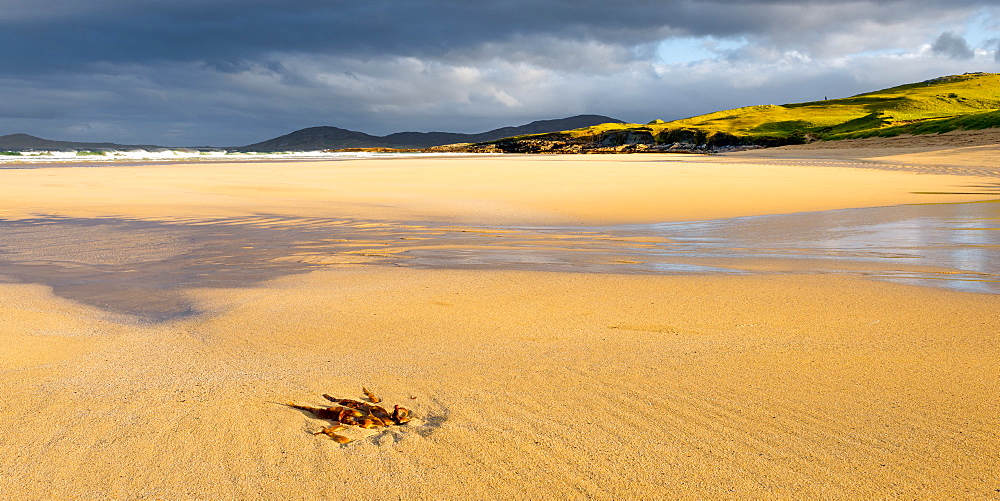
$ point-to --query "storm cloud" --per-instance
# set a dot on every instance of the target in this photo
(232, 72)
(953, 46)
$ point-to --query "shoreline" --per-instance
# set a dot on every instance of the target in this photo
(525, 190)
(791, 381)
(141, 267)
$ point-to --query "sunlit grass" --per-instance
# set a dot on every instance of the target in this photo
(970, 101)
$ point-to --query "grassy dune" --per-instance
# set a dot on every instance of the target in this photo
(970, 101)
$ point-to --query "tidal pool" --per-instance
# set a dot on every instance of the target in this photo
(141, 267)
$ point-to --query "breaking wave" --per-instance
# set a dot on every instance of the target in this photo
(79, 156)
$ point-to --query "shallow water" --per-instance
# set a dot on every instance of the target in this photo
(142, 267)
(964, 239)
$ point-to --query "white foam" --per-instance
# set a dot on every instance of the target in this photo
(109, 156)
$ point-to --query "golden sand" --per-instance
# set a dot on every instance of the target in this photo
(524, 384)
(557, 189)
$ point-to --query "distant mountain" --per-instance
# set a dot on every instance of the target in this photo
(324, 138)
(333, 138)
(318, 138)
(26, 142)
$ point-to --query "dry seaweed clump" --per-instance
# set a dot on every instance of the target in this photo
(354, 413)
(371, 396)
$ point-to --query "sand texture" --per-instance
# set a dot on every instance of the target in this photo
(956, 152)
(782, 383)
(556, 189)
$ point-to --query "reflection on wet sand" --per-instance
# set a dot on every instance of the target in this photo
(143, 266)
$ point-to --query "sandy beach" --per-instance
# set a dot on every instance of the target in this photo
(778, 382)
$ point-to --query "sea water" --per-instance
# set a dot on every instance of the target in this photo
(41, 157)
(954, 246)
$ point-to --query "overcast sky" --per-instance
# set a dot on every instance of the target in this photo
(234, 72)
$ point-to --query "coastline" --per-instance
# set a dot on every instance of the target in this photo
(549, 189)
(526, 383)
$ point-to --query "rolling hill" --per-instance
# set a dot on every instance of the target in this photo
(322, 138)
(969, 101)
(958, 102)
(16, 142)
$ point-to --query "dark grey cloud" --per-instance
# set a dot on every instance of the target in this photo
(238, 71)
(951, 45)
(44, 34)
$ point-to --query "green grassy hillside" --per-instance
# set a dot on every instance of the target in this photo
(970, 101)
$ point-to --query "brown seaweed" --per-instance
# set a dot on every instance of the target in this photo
(340, 439)
(354, 413)
(331, 431)
(400, 415)
(363, 407)
(371, 396)
(320, 412)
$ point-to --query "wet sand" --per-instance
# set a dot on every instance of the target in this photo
(142, 267)
(781, 383)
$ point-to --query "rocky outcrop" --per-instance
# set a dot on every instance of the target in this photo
(627, 137)
(632, 140)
